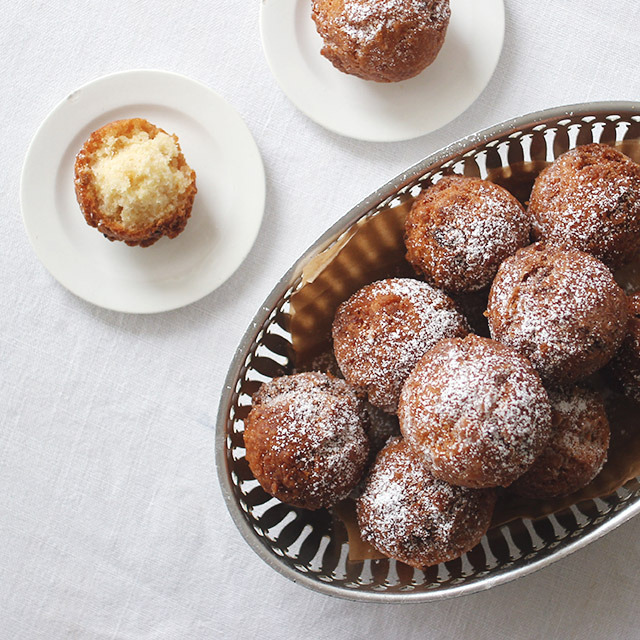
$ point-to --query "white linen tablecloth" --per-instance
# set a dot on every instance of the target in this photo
(112, 525)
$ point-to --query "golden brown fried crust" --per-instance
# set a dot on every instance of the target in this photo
(577, 449)
(170, 225)
(383, 329)
(589, 199)
(306, 439)
(381, 42)
(460, 230)
(560, 308)
(408, 514)
(476, 411)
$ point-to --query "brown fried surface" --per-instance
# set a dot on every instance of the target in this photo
(589, 199)
(305, 439)
(625, 365)
(560, 308)
(577, 449)
(382, 41)
(408, 514)
(459, 231)
(476, 411)
(382, 330)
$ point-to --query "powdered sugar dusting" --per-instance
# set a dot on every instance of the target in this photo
(577, 450)
(582, 220)
(381, 40)
(363, 20)
(590, 199)
(477, 412)
(573, 407)
(315, 423)
(383, 330)
(407, 513)
(321, 422)
(491, 232)
(563, 310)
(461, 229)
(579, 414)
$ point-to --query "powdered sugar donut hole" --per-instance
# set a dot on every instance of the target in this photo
(381, 40)
(589, 199)
(577, 449)
(460, 229)
(476, 411)
(381, 331)
(560, 308)
(408, 514)
(305, 439)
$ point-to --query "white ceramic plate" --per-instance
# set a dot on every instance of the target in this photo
(226, 215)
(374, 111)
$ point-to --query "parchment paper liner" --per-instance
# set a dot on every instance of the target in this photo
(374, 249)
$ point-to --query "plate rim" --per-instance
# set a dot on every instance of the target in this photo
(254, 328)
(153, 304)
(284, 86)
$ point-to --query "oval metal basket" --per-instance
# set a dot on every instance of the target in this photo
(311, 548)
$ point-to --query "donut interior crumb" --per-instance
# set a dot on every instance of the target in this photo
(137, 177)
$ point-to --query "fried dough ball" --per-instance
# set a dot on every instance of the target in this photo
(560, 308)
(626, 363)
(383, 329)
(381, 40)
(589, 199)
(476, 411)
(305, 439)
(577, 450)
(460, 229)
(408, 514)
(133, 184)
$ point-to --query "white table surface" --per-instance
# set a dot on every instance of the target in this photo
(112, 524)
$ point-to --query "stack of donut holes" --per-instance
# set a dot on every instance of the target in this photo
(478, 415)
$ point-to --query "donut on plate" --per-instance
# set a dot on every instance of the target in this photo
(381, 40)
(133, 183)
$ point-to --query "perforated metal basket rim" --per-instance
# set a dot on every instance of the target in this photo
(451, 151)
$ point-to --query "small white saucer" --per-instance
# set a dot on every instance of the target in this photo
(226, 215)
(383, 112)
